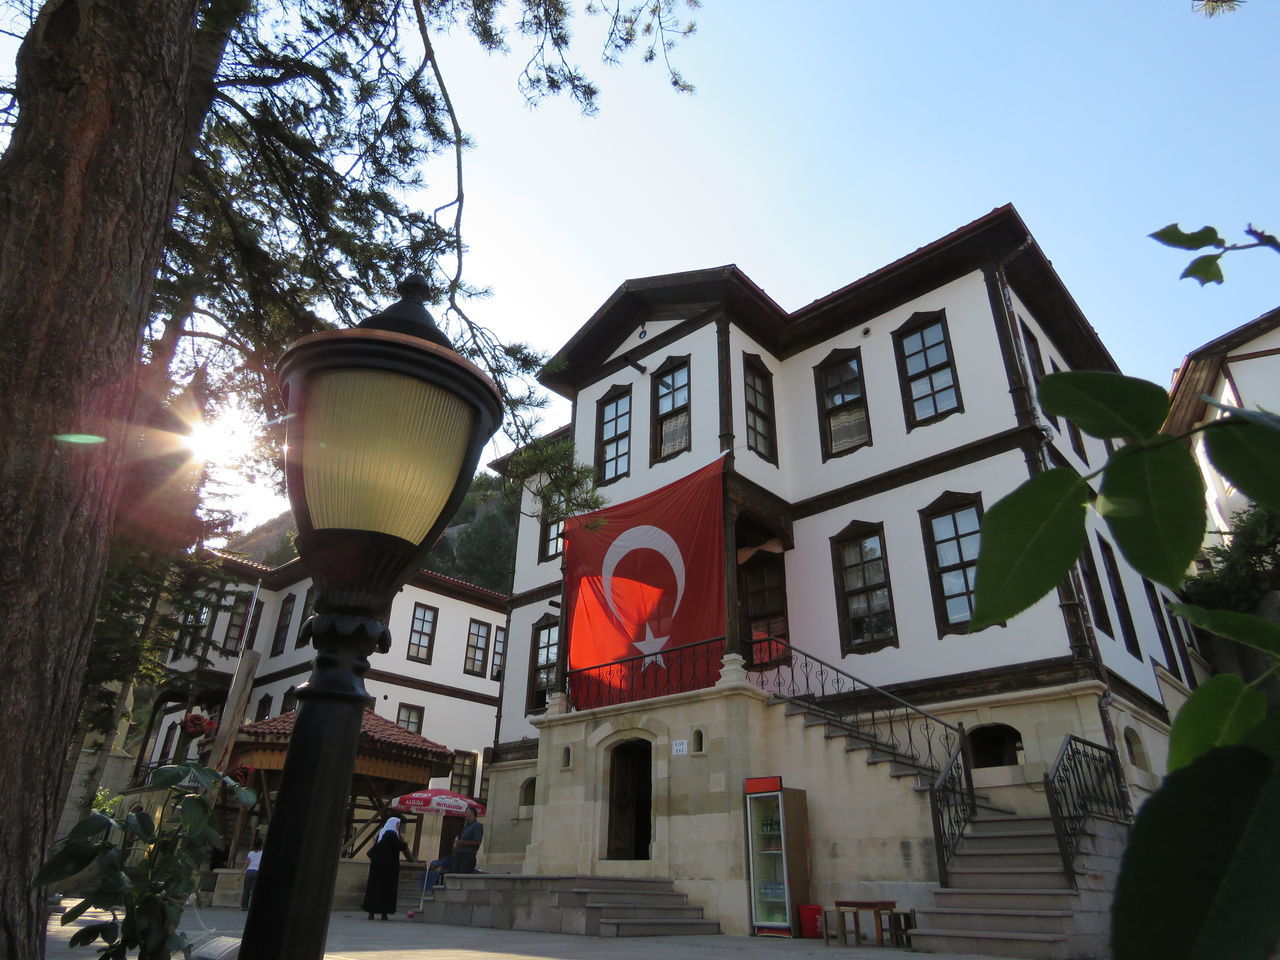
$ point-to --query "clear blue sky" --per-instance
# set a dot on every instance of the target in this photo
(828, 140)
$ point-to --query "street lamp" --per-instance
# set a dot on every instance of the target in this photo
(385, 427)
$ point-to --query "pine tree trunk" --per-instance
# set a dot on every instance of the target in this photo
(87, 184)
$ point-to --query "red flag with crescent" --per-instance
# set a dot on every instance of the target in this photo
(643, 578)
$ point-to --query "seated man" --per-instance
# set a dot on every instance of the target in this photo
(463, 858)
(436, 871)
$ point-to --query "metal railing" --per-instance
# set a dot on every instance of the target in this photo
(854, 705)
(951, 803)
(673, 670)
(1085, 781)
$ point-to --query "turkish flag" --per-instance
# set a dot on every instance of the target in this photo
(643, 578)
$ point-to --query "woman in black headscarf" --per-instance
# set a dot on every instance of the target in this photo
(384, 870)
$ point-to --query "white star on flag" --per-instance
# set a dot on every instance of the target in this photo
(650, 647)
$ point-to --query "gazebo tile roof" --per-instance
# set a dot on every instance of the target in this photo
(374, 729)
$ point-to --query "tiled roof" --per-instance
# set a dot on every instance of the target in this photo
(375, 731)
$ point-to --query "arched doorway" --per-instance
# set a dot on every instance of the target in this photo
(630, 801)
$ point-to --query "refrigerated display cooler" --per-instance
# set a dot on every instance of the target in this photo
(777, 855)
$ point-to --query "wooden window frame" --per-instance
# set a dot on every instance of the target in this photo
(462, 779)
(1035, 360)
(656, 419)
(263, 710)
(308, 608)
(541, 626)
(410, 708)
(550, 534)
(473, 636)
(415, 633)
(1162, 628)
(745, 594)
(752, 365)
(837, 358)
(948, 504)
(1127, 630)
(613, 395)
(916, 323)
(860, 530)
(498, 662)
(1099, 615)
(284, 619)
(237, 622)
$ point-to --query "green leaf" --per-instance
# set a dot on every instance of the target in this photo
(1174, 236)
(1106, 405)
(71, 858)
(94, 825)
(1248, 454)
(1153, 500)
(196, 815)
(246, 796)
(1205, 269)
(1030, 539)
(1241, 627)
(1265, 737)
(205, 777)
(76, 912)
(1198, 879)
(1261, 417)
(141, 825)
(1220, 712)
(110, 932)
(168, 776)
(87, 934)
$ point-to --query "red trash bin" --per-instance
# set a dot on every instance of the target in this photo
(810, 921)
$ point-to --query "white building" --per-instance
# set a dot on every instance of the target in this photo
(866, 434)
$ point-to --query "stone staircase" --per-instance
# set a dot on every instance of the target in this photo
(1007, 894)
(582, 905)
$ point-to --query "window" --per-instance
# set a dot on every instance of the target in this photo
(1178, 628)
(1162, 628)
(542, 662)
(410, 717)
(251, 635)
(290, 701)
(671, 426)
(264, 708)
(758, 386)
(842, 404)
(477, 649)
(1133, 746)
(1093, 587)
(308, 608)
(1117, 595)
(499, 653)
(232, 639)
(551, 538)
(764, 596)
(463, 780)
(282, 625)
(613, 435)
(862, 589)
(1036, 362)
(1073, 432)
(422, 633)
(926, 372)
(528, 792)
(166, 749)
(951, 542)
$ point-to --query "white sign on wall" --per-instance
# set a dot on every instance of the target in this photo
(679, 748)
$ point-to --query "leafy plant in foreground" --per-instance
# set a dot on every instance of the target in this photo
(145, 893)
(1204, 854)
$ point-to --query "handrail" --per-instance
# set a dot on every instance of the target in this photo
(692, 666)
(952, 804)
(825, 690)
(1084, 781)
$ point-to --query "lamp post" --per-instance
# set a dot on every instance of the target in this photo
(386, 425)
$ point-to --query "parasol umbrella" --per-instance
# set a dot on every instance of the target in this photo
(436, 801)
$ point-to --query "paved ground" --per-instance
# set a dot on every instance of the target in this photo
(352, 937)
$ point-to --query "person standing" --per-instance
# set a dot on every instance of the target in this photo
(252, 863)
(382, 890)
(468, 843)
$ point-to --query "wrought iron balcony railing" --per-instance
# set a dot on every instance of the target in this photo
(674, 670)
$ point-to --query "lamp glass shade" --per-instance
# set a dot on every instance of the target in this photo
(381, 451)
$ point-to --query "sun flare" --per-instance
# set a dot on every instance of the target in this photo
(221, 442)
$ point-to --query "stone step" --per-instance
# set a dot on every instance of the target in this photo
(1014, 840)
(1037, 878)
(992, 943)
(1004, 919)
(621, 927)
(594, 896)
(1028, 856)
(1022, 898)
(1013, 823)
(645, 911)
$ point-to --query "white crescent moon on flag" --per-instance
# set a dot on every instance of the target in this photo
(641, 538)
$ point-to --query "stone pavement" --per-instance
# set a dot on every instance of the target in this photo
(353, 937)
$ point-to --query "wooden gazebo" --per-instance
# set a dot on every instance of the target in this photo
(391, 761)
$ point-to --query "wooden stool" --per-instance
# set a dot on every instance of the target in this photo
(881, 915)
(828, 927)
(901, 923)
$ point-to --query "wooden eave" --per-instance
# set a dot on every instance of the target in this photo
(1199, 372)
(998, 238)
